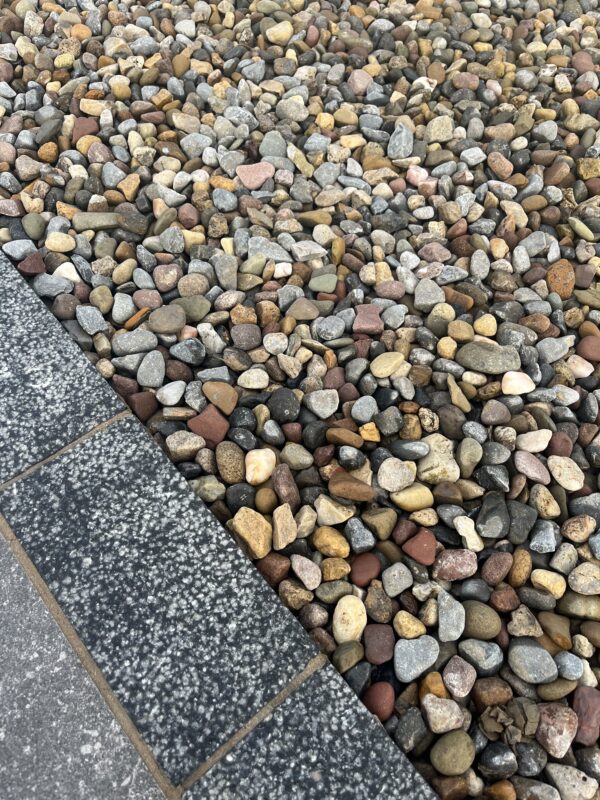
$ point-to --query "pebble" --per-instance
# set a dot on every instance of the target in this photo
(572, 783)
(413, 656)
(556, 728)
(453, 753)
(349, 619)
(530, 662)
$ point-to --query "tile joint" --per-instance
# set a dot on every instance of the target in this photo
(170, 791)
(314, 665)
(101, 426)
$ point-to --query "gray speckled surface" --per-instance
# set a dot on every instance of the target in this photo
(50, 393)
(185, 630)
(58, 739)
(320, 744)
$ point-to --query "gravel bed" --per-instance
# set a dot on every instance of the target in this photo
(342, 261)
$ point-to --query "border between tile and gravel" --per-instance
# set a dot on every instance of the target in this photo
(171, 791)
(314, 665)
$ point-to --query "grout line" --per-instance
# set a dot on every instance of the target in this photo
(313, 666)
(170, 791)
(92, 432)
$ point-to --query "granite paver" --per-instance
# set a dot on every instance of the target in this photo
(320, 744)
(58, 739)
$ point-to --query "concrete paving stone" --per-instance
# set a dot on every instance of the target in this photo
(58, 738)
(49, 393)
(320, 744)
(185, 630)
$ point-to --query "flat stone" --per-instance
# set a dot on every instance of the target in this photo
(490, 359)
(517, 383)
(400, 144)
(566, 473)
(395, 475)
(451, 617)
(253, 176)
(572, 783)
(556, 729)
(530, 662)
(151, 372)
(167, 319)
(323, 402)
(210, 424)
(459, 677)
(396, 579)
(441, 714)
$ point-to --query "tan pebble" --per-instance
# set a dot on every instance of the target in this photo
(566, 473)
(334, 569)
(413, 498)
(254, 530)
(486, 325)
(549, 582)
(284, 527)
(521, 568)
(331, 542)
(349, 619)
(60, 242)
(408, 626)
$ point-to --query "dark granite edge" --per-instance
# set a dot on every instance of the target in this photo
(301, 677)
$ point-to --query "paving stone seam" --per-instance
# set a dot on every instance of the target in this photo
(171, 791)
(87, 435)
(127, 725)
(314, 665)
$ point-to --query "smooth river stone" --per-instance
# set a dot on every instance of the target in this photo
(489, 358)
(412, 657)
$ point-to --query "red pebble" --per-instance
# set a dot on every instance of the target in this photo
(365, 568)
(211, 425)
(586, 704)
(379, 698)
(421, 547)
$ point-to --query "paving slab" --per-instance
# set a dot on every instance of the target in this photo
(320, 744)
(51, 395)
(187, 633)
(58, 739)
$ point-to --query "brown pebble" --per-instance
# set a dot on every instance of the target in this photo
(379, 643)
(364, 569)
(379, 698)
(211, 425)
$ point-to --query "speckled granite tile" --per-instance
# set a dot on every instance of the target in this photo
(320, 744)
(185, 630)
(58, 739)
(49, 392)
